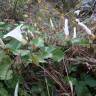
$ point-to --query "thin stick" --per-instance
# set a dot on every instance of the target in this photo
(70, 83)
(46, 81)
(55, 79)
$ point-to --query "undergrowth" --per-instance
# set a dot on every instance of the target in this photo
(41, 69)
(38, 57)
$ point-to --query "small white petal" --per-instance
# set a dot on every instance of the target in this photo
(31, 34)
(71, 86)
(52, 25)
(77, 12)
(17, 34)
(16, 89)
(66, 28)
(77, 20)
(74, 34)
(84, 27)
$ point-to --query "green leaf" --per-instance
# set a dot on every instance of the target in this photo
(79, 41)
(72, 79)
(36, 89)
(22, 52)
(81, 89)
(49, 49)
(90, 81)
(5, 26)
(37, 59)
(12, 82)
(58, 55)
(39, 42)
(46, 52)
(3, 91)
(3, 55)
(46, 55)
(2, 23)
(13, 45)
(72, 68)
(5, 72)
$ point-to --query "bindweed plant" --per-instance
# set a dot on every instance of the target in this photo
(44, 69)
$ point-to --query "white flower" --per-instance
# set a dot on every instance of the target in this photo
(89, 32)
(52, 25)
(77, 12)
(74, 32)
(16, 89)
(71, 87)
(66, 29)
(17, 34)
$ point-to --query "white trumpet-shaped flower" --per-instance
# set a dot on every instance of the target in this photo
(17, 34)
(74, 32)
(66, 28)
(89, 32)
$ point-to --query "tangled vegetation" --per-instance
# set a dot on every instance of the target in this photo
(46, 50)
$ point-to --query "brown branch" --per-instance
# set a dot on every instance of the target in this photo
(54, 78)
(89, 60)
